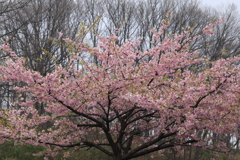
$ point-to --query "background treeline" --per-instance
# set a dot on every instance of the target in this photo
(31, 27)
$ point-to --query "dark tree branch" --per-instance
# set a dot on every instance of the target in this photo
(148, 144)
(209, 93)
(87, 144)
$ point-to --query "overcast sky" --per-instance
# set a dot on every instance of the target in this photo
(218, 3)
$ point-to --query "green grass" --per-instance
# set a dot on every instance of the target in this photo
(8, 151)
(25, 152)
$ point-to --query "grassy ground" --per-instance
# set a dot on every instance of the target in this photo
(10, 152)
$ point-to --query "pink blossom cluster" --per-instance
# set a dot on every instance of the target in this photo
(127, 95)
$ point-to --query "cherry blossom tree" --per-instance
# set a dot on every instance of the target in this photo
(127, 104)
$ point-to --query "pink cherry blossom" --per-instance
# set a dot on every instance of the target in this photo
(134, 102)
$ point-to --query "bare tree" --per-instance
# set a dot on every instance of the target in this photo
(225, 42)
(38, 39)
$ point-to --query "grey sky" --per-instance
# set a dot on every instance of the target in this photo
(219, 3)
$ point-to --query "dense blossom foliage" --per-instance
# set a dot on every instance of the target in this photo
(128, 104)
